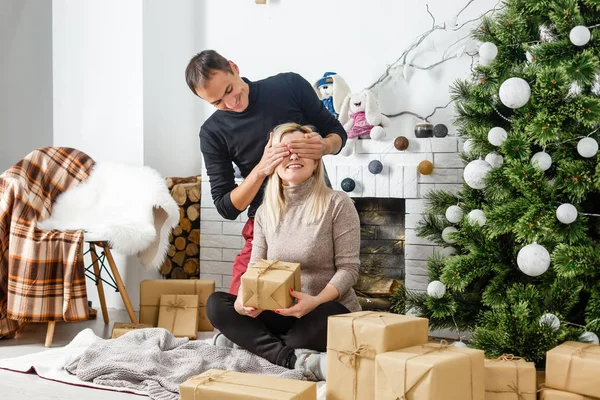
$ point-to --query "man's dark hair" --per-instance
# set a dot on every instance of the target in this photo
(202, 66)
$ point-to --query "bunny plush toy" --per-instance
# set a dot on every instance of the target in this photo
(332, 89)
(361, 118)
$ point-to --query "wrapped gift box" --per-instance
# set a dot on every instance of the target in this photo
(266, 285)
(151, 290)
(121, 328)
(353, 341)
(179, 314)
(228, 385)
(573, 367)
(551, 394)
(430, 371)
(510, 378)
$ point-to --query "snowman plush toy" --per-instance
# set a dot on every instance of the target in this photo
(332, 90)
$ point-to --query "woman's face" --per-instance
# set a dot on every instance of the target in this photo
(294, 170)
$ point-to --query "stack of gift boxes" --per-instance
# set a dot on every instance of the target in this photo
(178, 305)
(370, 355)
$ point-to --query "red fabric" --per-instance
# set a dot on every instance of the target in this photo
(240, 264)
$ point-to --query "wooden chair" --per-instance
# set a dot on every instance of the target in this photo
(99, 266)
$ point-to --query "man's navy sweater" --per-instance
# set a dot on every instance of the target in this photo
(228, 136)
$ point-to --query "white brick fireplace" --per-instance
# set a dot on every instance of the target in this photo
(221, 240)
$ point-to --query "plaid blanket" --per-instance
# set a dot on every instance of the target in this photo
(42, 274)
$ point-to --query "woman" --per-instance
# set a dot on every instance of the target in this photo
(301, 220)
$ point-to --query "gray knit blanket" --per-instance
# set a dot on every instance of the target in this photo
(154, 361)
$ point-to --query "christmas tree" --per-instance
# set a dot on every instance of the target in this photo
(520, 267)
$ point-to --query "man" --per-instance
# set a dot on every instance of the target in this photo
(238, 132)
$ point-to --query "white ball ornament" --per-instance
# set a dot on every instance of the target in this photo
(495, 160)
(514, 92)
(550, 320)
(497, 136)
(468, 146)
(533, 259)
(475, 172)
(446, 232)
(587, 147)
(377, 133)
(488, 51)
(542, 160)
(566, 213)
(436, 289)
(589, 337)
(580, 35)
(477, 217)
(447, 252)
(460, 343)
(454, 214)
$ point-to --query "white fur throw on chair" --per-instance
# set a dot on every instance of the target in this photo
(130, 207)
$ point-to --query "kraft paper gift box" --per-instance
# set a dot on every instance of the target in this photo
(227, 385)
(151, 290)
(266, 285)
(510, 378)
(430, 371)
(179, 314)
(353, 341)
(551, 394)
(121, 328)
(573, 367)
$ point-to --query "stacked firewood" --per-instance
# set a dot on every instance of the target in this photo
(183, 259)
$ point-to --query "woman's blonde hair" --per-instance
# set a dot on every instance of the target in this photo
(274, 200)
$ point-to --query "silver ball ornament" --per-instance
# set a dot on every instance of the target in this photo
(436, 289)
(580, 35)
(566, 213)
(514, 92)
(589, 337)
(550, 320)
(460, 344)
(542, 160)
(533, 259)
(587, 147)
(477, 217)
(495, 160)
(454, 214)
(475, 172)
(446, 232)
(497, 136)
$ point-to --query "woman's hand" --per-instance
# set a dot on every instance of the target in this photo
(306, 303)
(247, 311)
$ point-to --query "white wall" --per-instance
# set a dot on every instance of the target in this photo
(172, 114)
(25, 78)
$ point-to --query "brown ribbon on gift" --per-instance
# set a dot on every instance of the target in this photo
(133, 326)
(579, 352)
(443, 346)
(271, 265)
(352, 356)
(176, 305)
(210, 378)
(514, 387)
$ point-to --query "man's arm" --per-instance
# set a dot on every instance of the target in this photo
(332, 134)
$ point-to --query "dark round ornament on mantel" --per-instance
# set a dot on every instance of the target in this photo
(424, 130)
(375, 167)
(348, 185)
(440, 130)
(401, 143)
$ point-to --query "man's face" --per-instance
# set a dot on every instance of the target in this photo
(226, 91)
